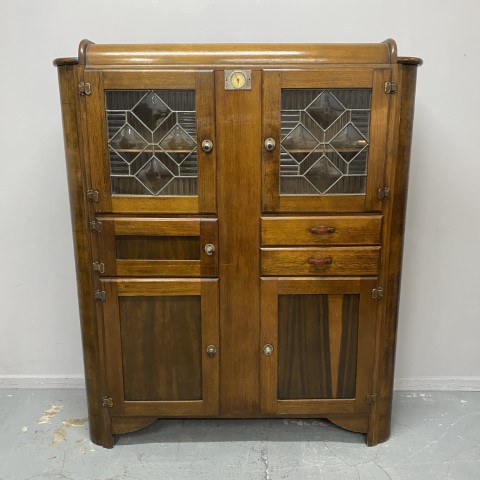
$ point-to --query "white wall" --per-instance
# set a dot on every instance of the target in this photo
(440, 307)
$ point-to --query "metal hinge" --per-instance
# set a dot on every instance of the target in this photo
(95, 226)
(377, 292)
(84, 89)
(383, 193)
(391, 87)
(107, 402)
(98, 267)
(100, 295)
(371, 398)
(92, 196)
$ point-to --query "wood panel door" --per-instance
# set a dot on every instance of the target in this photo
(330, 131)
(160, 340)
(146, 134)
(158, 247)
(317, 345)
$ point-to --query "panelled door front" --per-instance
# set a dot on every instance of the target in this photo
(325, 139)
(152, 141)
(161, 341)
(318, 342)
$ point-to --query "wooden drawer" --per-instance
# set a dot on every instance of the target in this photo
(320, 261)
(166, 247)
(324, 230)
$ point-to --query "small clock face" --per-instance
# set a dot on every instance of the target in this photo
(238, 79)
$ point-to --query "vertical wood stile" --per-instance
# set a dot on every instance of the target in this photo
(238, 116)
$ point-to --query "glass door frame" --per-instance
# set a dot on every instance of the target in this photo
(325, 78)
(98, 156)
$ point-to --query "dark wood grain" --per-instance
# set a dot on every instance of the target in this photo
(239, 123)
(99, 421)
(158, 331)
(303, 347)
(152, 246)
(347, 365)
(399, 161)
(323, 334)
(161, 348)
(313, 361)
(157, 248)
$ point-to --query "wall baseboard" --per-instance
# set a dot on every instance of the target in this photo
(42, 381)
(465, 384)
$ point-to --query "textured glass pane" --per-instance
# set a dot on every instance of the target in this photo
(324, 139)
(152, 142)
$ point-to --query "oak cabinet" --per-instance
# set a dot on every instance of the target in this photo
(238, 219)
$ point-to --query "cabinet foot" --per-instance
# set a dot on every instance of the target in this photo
(130, 424)
(353, 423)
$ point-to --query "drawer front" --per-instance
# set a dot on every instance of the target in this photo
(167, 247)
(323, 230)
(320, 261)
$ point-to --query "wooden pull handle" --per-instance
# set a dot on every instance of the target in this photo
(322, 230)
(320, 262)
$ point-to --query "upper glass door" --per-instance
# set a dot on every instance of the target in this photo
(152, 148)
(329, 130)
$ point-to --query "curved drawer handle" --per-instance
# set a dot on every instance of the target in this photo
(322, 230)
(320, 262)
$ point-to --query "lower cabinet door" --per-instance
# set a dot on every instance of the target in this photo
(317, 345)
(161, 340)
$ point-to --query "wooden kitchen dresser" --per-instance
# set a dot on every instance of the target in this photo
(238, 216)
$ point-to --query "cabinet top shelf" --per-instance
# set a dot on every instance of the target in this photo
(228, 55)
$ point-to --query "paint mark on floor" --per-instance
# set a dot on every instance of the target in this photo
(47, 415)
(75, 422)
(59, 435)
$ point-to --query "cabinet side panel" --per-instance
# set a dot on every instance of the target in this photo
(379, 429)
(99, 423)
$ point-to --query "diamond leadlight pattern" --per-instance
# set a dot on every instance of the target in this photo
(324, 141)
(152, 142)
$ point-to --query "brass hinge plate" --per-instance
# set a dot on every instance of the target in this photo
(371, 398)
(391, 87)
(107, 402)
(84, 89)
(98, 267)
(92, 196)
(96, 226)
(100, 295)
(383, 193)
(377, 292)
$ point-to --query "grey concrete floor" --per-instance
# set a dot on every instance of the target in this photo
(44, 435)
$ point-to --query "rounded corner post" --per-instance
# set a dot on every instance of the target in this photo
(82, 51)
(392, 49)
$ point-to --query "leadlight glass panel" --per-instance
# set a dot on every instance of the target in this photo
(324, 141)
(152, 142)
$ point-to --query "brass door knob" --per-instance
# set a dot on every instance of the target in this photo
(207, 145)
(268, 349)
(270, 144)
(211, 350)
